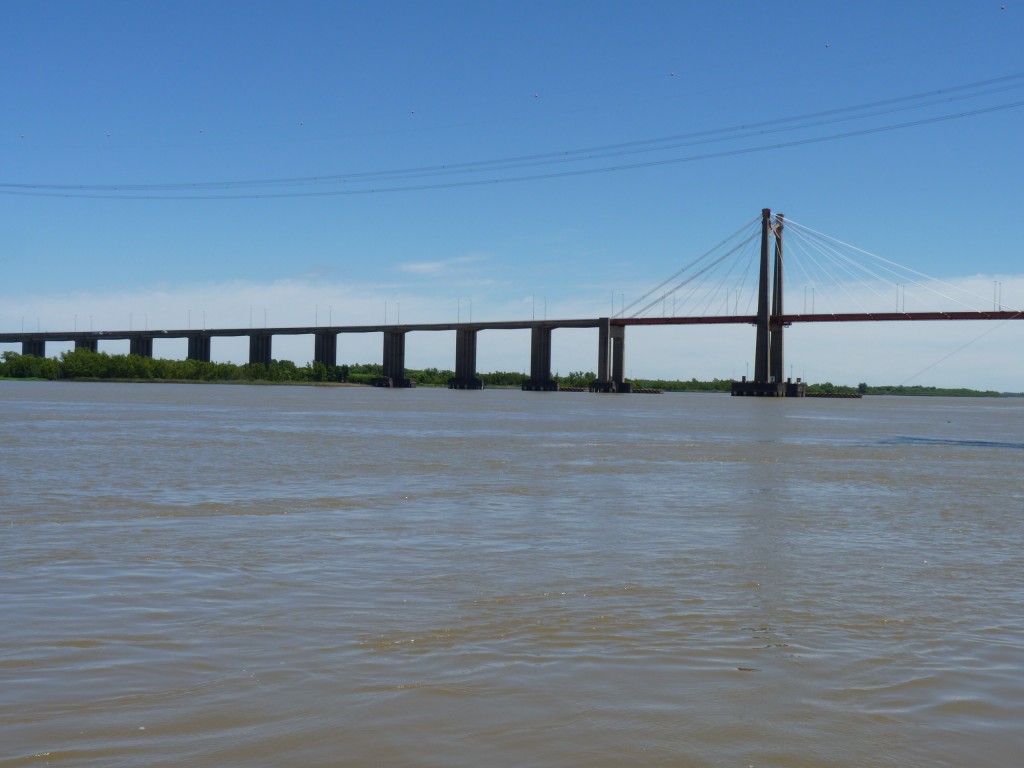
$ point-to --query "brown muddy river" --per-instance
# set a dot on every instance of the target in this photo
(291, 576)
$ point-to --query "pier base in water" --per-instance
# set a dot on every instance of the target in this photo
(787, 388)
(621, 387)
(465, 383)
(394, 383)
(549, 385)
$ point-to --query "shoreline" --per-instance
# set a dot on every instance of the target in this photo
(939, 392)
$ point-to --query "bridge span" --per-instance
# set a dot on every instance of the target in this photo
(610, 356)
(769, 322)
(611, 344)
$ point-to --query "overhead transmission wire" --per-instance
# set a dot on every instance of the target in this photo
(659, 145)
(595, 153)
(642, 145)
(526, 161)
(27, 190)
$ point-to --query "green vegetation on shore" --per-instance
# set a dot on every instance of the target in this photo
(83, 364)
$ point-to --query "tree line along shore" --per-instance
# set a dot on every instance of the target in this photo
(86, 365)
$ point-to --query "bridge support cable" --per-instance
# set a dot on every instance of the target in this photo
(876, 277)
(742, 286)
(851, 273)
(705, 294)
(900, 273)
(689, 279)
(684, 270)
(714, 293)
(828, 277)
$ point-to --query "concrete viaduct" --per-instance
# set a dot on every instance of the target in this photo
(610, 352)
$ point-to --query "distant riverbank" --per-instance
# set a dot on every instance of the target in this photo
(85, 365)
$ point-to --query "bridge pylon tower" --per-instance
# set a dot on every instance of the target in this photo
(769, 363)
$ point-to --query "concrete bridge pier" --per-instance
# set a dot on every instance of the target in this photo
(325, 348)
(259, 349)
(603, 382)
(141, 346)
(394, 362)
(199, 347)
(90, 344)
(465, 361)
(619, 359)
(769, 361)
(540, 362)
(611, 365)
(34, 347)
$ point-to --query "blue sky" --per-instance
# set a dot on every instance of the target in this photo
(132, 96)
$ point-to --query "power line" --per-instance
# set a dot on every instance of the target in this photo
(131, 192)
(744, 130)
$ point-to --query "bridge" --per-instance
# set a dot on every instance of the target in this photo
(770, 321)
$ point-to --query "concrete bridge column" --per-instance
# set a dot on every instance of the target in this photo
(762, 352)
(34, 347)
(603, 382)
(394, 361)
(540, 362)
(199, 347)
(618, 334)
(325, 348)
(259, 349)
(776, 361)
(769, 363)
(141, 346)
(90, 344)
(465, 361)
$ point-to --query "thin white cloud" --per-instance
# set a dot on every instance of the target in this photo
(456, 265)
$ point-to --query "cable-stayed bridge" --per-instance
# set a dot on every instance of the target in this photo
(741, 280)
(738, 281)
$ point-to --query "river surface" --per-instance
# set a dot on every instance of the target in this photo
(295, 576)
